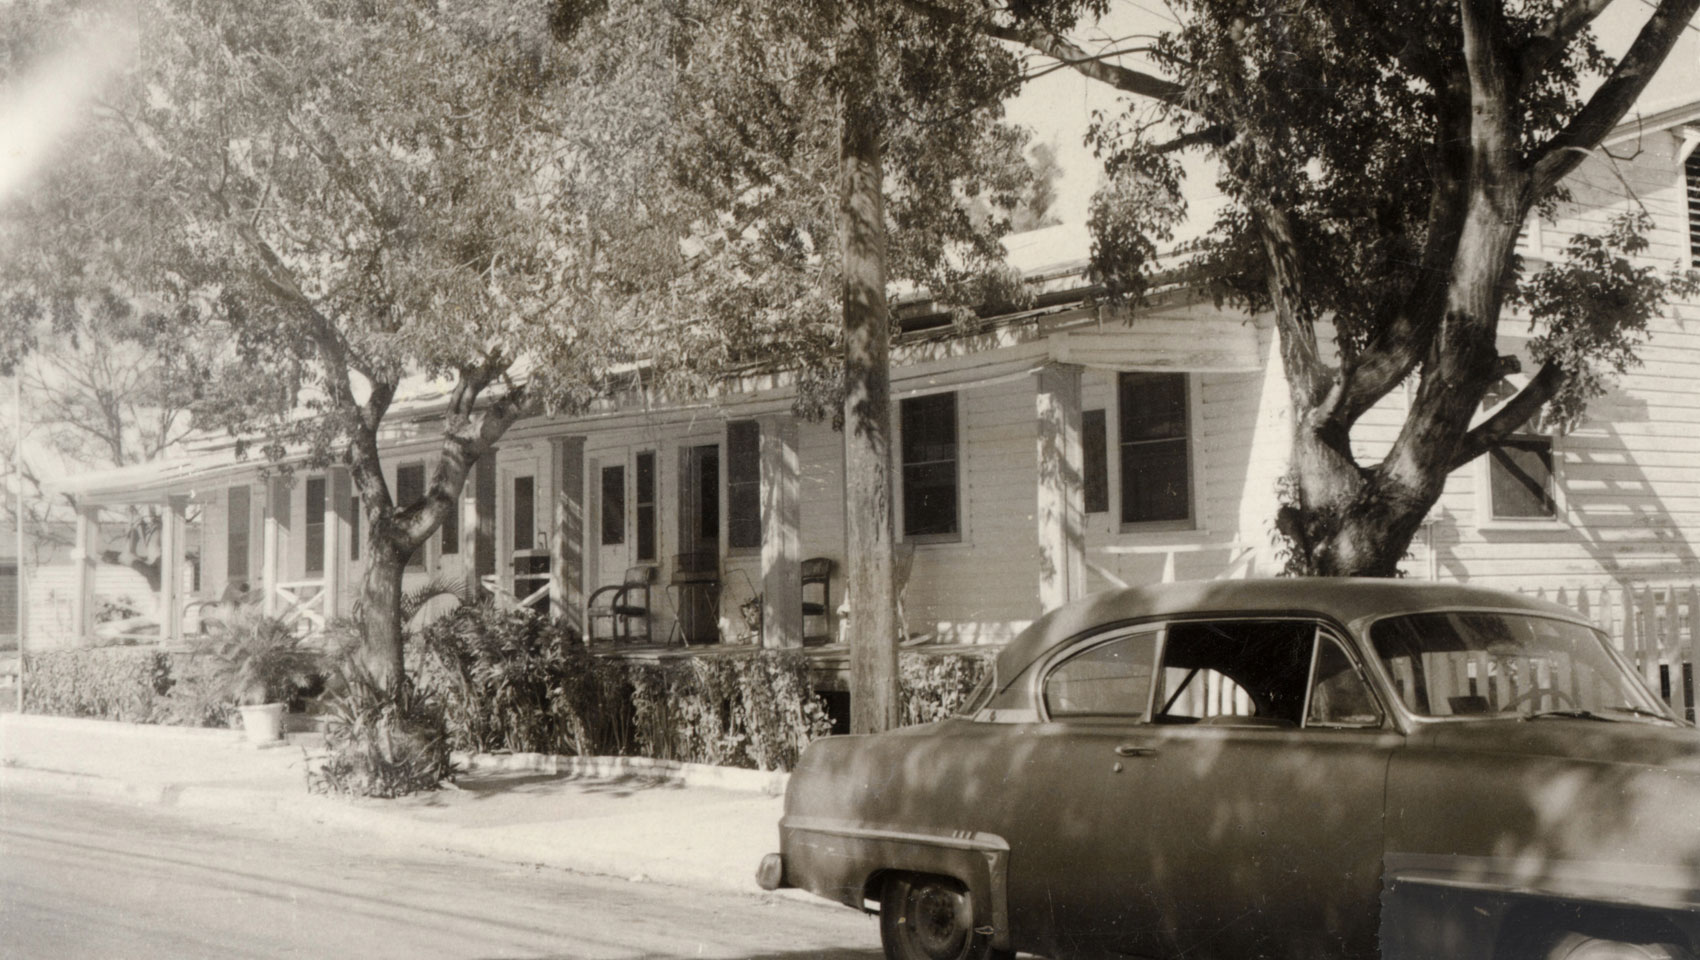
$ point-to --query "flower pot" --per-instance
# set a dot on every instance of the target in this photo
(262, 723)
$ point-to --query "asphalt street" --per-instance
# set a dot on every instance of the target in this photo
(94, 879)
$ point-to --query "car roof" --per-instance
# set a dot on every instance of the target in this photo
(1343, 599)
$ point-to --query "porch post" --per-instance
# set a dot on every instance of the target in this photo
(171, 570)
(339, 495)
(781, 538)
(1062, 554)
(566, 559)
(276, 529)
(86, 554)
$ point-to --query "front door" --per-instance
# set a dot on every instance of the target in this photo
(695, 571)
(525, 541)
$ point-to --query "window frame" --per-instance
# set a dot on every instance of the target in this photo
(640, 505)
(1486, 519)
(1118, 506)
(958, 533)
(1067, 652)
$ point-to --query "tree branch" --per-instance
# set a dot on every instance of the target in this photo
(1555, 35)
(1561, 154)
(1058, 48)
(1520, 409)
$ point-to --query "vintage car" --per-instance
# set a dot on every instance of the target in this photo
(1281, 768)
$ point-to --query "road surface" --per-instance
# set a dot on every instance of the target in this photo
(94, 879)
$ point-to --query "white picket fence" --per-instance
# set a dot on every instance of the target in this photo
(1656, 626)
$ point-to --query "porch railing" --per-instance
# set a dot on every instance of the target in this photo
(1655, 626)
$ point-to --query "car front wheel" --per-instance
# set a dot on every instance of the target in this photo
(931, 918)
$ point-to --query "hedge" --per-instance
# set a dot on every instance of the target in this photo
(131, 684)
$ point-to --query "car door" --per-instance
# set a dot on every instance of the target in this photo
(1096, 695)
(1250, 826)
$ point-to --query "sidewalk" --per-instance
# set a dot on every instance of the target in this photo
(677, 824)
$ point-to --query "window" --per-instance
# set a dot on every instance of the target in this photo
(1111, 679)
(525, 513)
(929, 466)
(1239, 672)
(1094, 461)
(613, 505)
(409, 490)
(646, 506)
(451, 531)
(1156, 481)
(1338, 695)
(743, 484)
(315, 524)
(236, 534)
(1520, 480)
(356, 521)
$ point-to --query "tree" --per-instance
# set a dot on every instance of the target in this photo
(778, 102)
(364, 195)
(1379, 159)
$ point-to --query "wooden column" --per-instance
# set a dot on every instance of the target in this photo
(1062, 548)
(566, 557)
(273, 554)
(781, 535)
(85, 553)
(171, 570)
(339, 522)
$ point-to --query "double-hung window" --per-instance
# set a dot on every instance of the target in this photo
(1521, 481)
(1156, 468)
(743, 484)
(314, 522)
(930, 476)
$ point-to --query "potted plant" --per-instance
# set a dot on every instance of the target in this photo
(258, 662)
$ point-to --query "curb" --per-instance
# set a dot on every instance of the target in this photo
(768, 782)
(85, 725)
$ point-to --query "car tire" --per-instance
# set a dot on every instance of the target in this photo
(1581, 946)
(931, 918)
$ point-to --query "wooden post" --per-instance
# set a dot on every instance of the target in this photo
(171, 570)
(1694, 644)
(273, 557)
(781, 534)
(1671, 646)
(566, 560)
(85, 553)
(339, 494)
(1062, 549)
(868, 540)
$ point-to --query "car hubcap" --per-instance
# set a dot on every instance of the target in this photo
(939, 921)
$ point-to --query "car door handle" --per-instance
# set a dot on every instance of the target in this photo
(1134, 750)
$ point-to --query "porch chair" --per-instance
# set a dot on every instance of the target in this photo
(817, 572)
(620, 604)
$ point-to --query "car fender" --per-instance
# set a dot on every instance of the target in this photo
(846, 860)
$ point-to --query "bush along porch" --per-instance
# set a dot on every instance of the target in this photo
(498, 680)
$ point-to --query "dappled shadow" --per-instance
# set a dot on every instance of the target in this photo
(490, 785)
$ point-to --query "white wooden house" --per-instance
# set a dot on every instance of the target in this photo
(1059, 451)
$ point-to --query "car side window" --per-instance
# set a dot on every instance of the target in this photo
(1235, 672)
(1109, 679)
(1338, 696)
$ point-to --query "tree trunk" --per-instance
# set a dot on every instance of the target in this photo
(867, 403)
(380, 609)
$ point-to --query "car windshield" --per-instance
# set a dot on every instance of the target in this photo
(1500, 664)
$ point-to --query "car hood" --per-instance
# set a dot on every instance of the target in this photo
(1626, 742)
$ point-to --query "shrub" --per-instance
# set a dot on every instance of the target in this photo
(496, 673)
(752, 709)
(378, 742)
(128, 684)
(934, 687)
